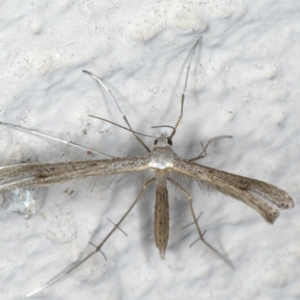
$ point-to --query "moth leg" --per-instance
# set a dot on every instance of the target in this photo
(185, 85)
(204, 148)
(195, 221)
(116, 103)
(97, 247)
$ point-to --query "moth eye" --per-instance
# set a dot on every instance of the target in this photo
(155, 142)
(170, 142)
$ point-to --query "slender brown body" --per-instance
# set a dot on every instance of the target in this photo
(161, 217)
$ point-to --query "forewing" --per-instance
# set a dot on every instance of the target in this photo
(263, 197)
(22, 175)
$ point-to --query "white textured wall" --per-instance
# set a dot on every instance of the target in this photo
(244, 82)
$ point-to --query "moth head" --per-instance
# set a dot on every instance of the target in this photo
(163, 141)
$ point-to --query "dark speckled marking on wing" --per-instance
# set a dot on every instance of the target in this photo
(263, 197)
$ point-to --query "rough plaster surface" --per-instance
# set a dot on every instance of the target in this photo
(244, 82)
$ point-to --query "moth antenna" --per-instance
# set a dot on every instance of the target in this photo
(34, 132)
(135, 132)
